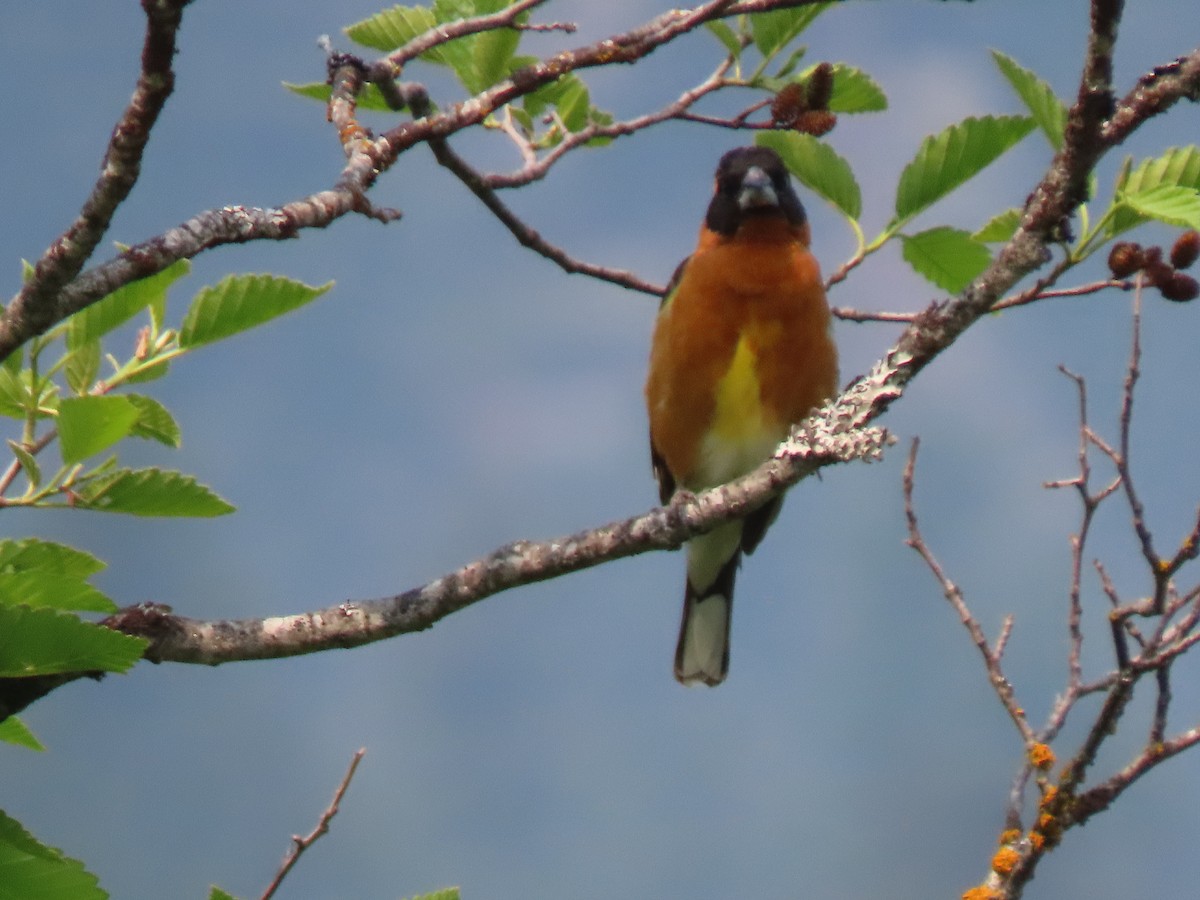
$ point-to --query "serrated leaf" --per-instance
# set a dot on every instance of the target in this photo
(52, 590)
(391, 29)
(241, 302)
(32, 554)
(30, 870)
(154, 422)
(854, 91)
(1039, 98)
(818, 167)
(1173, 204)
(14, 731)
(952, 157)
(368, 98)
(83, 365)
(1179, 166)
(726, 36)
(121, 305)
(49, 642)
(999, 228)
(151, 492)
(948, 257)
(28, 461)
(88, 425)
(772, 31)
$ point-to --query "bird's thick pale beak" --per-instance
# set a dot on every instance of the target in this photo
(757, 190)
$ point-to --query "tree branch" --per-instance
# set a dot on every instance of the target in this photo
(40, 302)
(300, 843)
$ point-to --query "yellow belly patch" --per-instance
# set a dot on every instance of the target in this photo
(738, 413)
(741, 435)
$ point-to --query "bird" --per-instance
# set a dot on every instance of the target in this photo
(742, 350)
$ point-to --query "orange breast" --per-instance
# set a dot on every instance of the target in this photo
(741, 352)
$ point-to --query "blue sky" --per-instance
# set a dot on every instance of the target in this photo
(455, 392)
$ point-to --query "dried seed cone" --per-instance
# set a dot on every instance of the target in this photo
(1125, 258)
(1186, 249)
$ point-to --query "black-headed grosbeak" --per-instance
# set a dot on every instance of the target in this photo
(742, 351)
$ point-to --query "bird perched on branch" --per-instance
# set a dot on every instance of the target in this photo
(742, 350)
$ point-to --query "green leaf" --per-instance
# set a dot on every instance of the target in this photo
(1043, 104)
(151, 492)
(14, 731)
(153, 421)
(52, 590)
(948, 257)
(368, 98)
(854, 91)
(726, 36)
(13, 362)
(392, 28)
(491, 52)
(443, 894)
(17, 395)
(789, 64)
(452, 10)
(215, 893)
(31, 555)
(1178, 167)
(999, 228)
(83, 365)
(88, 425)
(458, 56)
(601, 118)
(241, 302)
(772, 31)
(29, 463)
(947, 160)
(573, 105)
(818, 167)
(30, 870)
(152, 370)
(13, 395)
(1173, 204)
(49, 642)
(121, 305)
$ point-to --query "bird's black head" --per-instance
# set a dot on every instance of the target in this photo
(752, 181)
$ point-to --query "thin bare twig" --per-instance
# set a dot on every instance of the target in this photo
(527, 236)
(992, 655)
(301, 843)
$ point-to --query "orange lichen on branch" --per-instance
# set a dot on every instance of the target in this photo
(1009, 836)
(981, 892)
(1005, 860)
(1041, 757)
(1037, 841)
